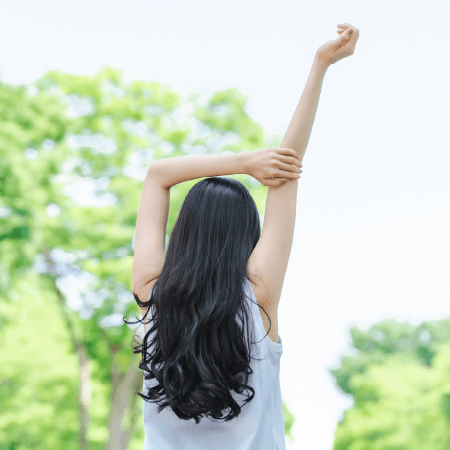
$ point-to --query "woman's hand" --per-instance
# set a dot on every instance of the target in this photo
(273, 166)
(333, 51)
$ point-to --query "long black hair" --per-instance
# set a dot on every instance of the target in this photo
(199, 352)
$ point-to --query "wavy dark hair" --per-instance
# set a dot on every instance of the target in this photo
(200, 352)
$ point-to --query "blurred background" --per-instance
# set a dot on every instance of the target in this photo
(93, 92)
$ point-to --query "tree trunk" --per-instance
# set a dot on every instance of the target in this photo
(84, 396)
(134, 407)
(83, 360)
(123, 387)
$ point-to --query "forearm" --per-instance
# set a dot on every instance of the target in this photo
(299, 130)
(171, 171)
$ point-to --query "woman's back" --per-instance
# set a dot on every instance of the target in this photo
(260, 426)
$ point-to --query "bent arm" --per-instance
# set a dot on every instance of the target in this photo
(171, 171)
(299, 130)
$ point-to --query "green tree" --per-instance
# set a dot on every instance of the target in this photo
(38, 372)
(66, 128)
(29, 126)
(398, 377)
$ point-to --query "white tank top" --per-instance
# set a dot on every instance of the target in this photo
(260, 425)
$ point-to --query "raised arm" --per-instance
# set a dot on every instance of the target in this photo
(300, 127)
(299, 130)
(270, 257)
(171, 171)
(271, 166)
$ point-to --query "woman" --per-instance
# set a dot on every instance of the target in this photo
(199, 361)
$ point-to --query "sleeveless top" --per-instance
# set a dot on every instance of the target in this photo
(259, 426)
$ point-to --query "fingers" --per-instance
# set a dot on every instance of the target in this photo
(288, 152)
(288, 171)
(349, 28)
(288, 166)
(289, 156)
(289, 163)
(346, 34)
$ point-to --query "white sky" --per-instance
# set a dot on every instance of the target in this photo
(371, 239)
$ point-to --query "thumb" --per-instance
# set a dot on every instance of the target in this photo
(348, 32)
(344, 37)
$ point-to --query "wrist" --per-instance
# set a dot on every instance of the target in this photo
(320, 65)
(244, 159)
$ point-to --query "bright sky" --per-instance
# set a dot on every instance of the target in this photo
(371, 239)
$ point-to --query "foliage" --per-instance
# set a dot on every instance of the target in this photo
(398, 376)
(38, 373)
